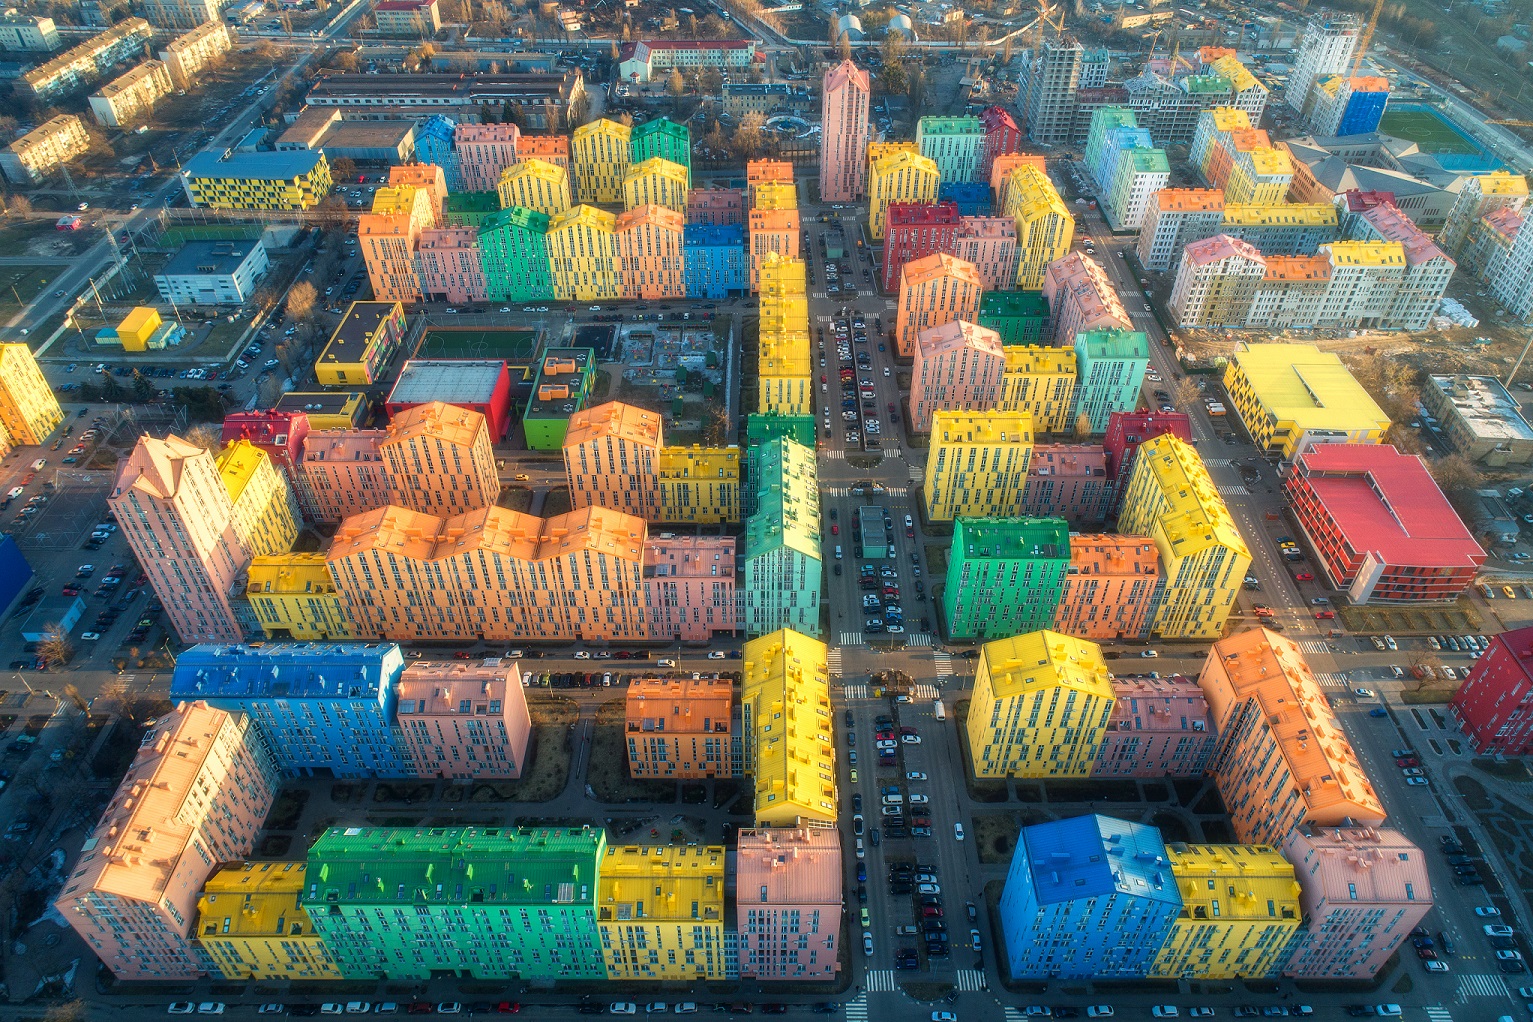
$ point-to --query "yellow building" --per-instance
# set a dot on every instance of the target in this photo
(1171, 499)
(1259, 177)
(533, 184)
(1041, 382)
(1240, 906)
(1045, 228)
(266, 513)
(327, 409)
(660, 911)
(776, 195)
(1040, 706)
(699, 484)
(785, 372)
(656, 182)
(785, 367)
(902, 176)
(878, 150)
(363, 344)
(599, 154)
(1290, 396)
(28, 409)
(294, 597)
(976, 466)
(787, 726)
(137, 327)
(1291, 216)
(582, 255)
(251, 924)
(294, 179)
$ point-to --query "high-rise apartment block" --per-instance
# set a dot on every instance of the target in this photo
(1127, 430)
(914, 231)
(293, 597)
(1002, 136)
(1160, 727)
(1045, 226)
(1110, 367)
(660, 912)
(1174, 219)
(1049, 101)
(1240, 908)
(976, 466)
(534, 185)
(989, 243)
(1004, 575)
(462, 721)
(1481, 195)
(954, 144)
(1427, 268)
(1041, 382)
(935, 290)
(958, 367)
(1330, 40)
(264, 510)
(342, 473)
(789, 916)
(1069, 481)
(786, 724)
(649, 245)
(439, 460)
(1216, 281)
(663, 138)
(599, 157)
(514, 247)
(1512, 282)
(615, 458)
(844, 119)
(251, 924)
(656, 182)
(1081, 297)
(29, 411)
(1110, 589)
(899, 177)
(1348, 105)
(682, 728)
(582, 255)
(1494, 706)
(783, 560)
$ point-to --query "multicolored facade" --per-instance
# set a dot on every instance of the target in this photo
(665, 139)
(599, 157)
(1111, 588)
(362, 345)
(1045, 228)
(899, 177)
(976, 466)
(252, 925)
(264, 512)
(1003, 576)
(915, 230)
(1081, 297)
(934, 290)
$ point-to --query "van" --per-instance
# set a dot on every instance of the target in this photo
(838, 551)
(39, 464)
(894, 800)
(939, 709)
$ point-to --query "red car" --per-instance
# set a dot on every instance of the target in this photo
(1324, 615)
(461, 655)
(1407, 761)
(835, 530)
(1304, 576)
(71, 590)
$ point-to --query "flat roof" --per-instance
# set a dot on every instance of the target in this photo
(1488, 410)
(463, 382)
(584, 359)
(317, 402)
(366, 134)
(1309, 386)
(259, 166)
(198, 258)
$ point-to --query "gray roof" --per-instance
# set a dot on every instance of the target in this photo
(205, 257)
(275, 166)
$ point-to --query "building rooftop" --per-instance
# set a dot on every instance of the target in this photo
(922, 213)
(1234, 883)
(237, 465)
(1104, 554)
(201, 258)
(1014, 303)
(254, 899)
(958, 427)
(456, 381)
(787, 500)
(357, 327)
(1097, 856)
(258, 166)
(287, 670)
(1046, 660)
(1299, 382)
(1193, 510)
(1295, 214)
(1363, 865)
(789, 866)
(1488, 410)
(1011, 538)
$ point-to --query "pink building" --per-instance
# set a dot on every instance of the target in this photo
(462, 721)
(788, 894)
(195, 796)
(1362, 889)
(450, 270)
(553, 149)
(1068, 481)
(844, 120)
(1111, 589)
(916, 229)
(1160, 727)
(649, 251)
(958, 367)
(1081, 298)
(718, 206)
(342, 474)
(178, 519)
(990, 243)
(1002, 136)
(1127, 430)
(934, 290)
(279, 434)
(689, 586)
(484, 150)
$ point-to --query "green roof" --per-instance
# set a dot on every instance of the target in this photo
(1013, 303)
(1148, 160)
(787, 493)
(951, 126)
(1010, 539)
(1113, 344)
(1109, 117)
(515, 216)
(472, 202)
(1207, 83)
(660, 125)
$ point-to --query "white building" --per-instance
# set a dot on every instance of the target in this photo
(649, 58)
(1330, 39)
(1513, 285)
(1427, 267)
(132, 96)
(27, 32)
(1216, 281)
(200, 48)
(213, 273)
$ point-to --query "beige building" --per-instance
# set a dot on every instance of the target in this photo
(202, 47)
(51, 144)
(131, 97)
(28, 410)
(28, 32)
(463, 721)
(180, 15)
(85, 64)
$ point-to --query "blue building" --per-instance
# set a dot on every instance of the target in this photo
(434, 144)
(972, 197)
(1087, 897)
(15, 573)
(317, 705)
(1363, 113)
(714, 257)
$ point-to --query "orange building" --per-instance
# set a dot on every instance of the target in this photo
(439, 459)
(1111, 588)
(341, 473)
(428, 176)
(462, 721)
(759, 172)
(610, 459)
(1000, 173)
(682, 728)
(689, 586)
(771, 230)
(934, 290)
(1282, 761)
(389, 235)
(650, 254)
(553, 149)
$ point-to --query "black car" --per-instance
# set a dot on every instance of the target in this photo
(303, 1009)
(1474, 880)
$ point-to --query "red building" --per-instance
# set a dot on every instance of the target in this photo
(1379, 525)
(1127, 430)
(1495, 704)
(481, 386)
(917, 229)
(279, 434)
(1001, 136)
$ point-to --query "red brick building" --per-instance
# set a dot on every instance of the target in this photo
(1380, 527)
(1495, 704)
(917, 229)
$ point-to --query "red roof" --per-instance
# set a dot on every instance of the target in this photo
(1386, 504)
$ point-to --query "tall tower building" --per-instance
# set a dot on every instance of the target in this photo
(177, 516)
(1051, 85)
(29, 411)
(844, 116)
(1330, 40)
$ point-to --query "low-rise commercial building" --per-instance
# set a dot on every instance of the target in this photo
(1111, 588)
(363, 344)
(1292, 396)
(976, 466)
(478, 386)
(276, 180)
(1480, 419)
(212, 273)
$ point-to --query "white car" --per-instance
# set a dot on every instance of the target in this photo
(915, 775)
(867, 944)
(584, 655)
(623, 1008)
(1498, 930)
(928, 889)
(181, 1008)
(1363, 693)
(1099, 1011)
(656, 1008)
(911, 739)
(1436, 966)
(666, 663)
(1165, 1011)
(358, 1007)
(332, 1008)
(1487, 911)
(272, 1008)
(958, 832)
(1150, 653)
(717, 654)
(944, 1016)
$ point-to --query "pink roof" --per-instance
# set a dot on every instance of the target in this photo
(1394, 225)
(938, 340)
(796, 866)
(1221, 246)
(842, 73)
(1505, 221)
(1385, 503)
(1377, 863)
(986, 227)
(1162, 704)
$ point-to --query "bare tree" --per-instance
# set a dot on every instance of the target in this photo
(18, 205)
(55, 646)
(343, 169)
(1006, 51)
(750, 136)
(1184, 396)
(204, 435)
(844, 44)
(1082, 426)
(300, 300)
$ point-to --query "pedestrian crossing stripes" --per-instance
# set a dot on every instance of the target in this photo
(1481, 985)
(851, 639)
(971, 979)
(1217, 463)
(1314, 645)
(835, 454)
(918, 639)
(1233, 490)
(880, 980)
(944, 664)
(1014, 1014)
(1332, 680)
(836, 491)
(857, 1011)
(924, 692)
(833, 661)
(857, 691)
(1436, 1014)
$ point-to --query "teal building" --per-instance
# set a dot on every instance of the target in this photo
(513, 250)
(664, 138)
(783, 560)
(1004, 576)
(1020, 317)
(954, 144)
(1109, 372)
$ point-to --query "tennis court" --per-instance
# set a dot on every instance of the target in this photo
(1428, 130)
(511, 345)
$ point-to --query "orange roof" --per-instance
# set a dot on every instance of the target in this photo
(628, 422)
(1204, 199)
(661, 216)
(786, 220)
(498, 530)
(758, 171)
(543, 145)
(681, 704)
(1104, 554)
(935, 341)
(1246, 139)
(1298, 268)
(438, 419)
(940, 264)
(155, 466)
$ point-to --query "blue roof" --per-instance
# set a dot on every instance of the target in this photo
(713, 234)
(273, 166)
(289, 670)
(1090, 856)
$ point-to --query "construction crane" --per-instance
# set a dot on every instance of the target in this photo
(1513, 123)
(1044, 10)
(1367, 36)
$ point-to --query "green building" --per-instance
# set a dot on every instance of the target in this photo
(469, 209)
(513, 249)
(1004, 576)
(664, 138)
(954, 144)
(1109, 372)
(783, 561)
(763, 426)
(491, 903)
(1020, 317)
(560, 390)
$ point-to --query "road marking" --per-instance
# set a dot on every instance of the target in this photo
(1481, 985)
(857, 1011)
(834, 454)
(882, 980)
(944, 664)
(1314, 646)
(971, 979)
(851, 639)
(857, 691)
(1014, 1014)
(918, 639)
(925, 692)
(1331, 680)
(1436, 1014)
(1217, 463)
(1233, 490)
(833, 661)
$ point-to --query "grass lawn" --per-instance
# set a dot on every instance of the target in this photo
(608, 770)
(14, 236)
(20, 284)
(996, 836)
(1426, 130)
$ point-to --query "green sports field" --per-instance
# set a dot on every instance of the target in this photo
(1426, 130)
(174, 237)
(511, 345)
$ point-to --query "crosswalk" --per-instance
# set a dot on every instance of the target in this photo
(1314, 646)
(971, 979)
(880, 980)
(1015, 1014)
(834, 454)
(925, 692)
(944, 664)
(851, 639)
(1332, 680)
(833, 661)
(1233, 490)
(855, 691)
(918, 639)
(1436, 1014)
(1217, 463)
(857, 1010)
(846, 491)
(1481, 985)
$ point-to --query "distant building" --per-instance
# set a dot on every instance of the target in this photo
(1329, 41)
(641, 61)
(1494, 706)
(1049, 98)
(1480, 419)
(1160, 727)
(1348, 105)
(29, 410)
(52, 144)
(1004, 575)
(412, 19)
(28, 32)
(212, 273)
(203, 47)
(85, 63)
(768, 99)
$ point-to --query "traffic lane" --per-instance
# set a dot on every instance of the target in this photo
(882, 909)
(941, 848)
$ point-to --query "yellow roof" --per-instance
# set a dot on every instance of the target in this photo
(1308, 214)
(256, 899)
(1035, 358)
(1227, 118)
(955, 427)
(1238, 74)
(785, 681)
(1270, 162)
(1501, 182)
(657, 166)
(1307, 386)
(237, 465)
(776, 195)
(902, 160)
(1043, 660)
(599, 219)
(1248, 882)
(289, 573)
(1195, 513)
(1366, 253)
(602, 127)
(534, 168)
(1033, 195)
(140, 319)
(658, 883)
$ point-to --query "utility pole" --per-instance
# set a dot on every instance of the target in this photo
(1518, 365)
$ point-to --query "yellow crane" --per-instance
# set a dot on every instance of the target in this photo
(1513, 123)
(1367, 37)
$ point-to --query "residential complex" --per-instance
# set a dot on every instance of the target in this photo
(131, 96)
(1080, 298)
(614, 457)
(976, 465)
(789, 917)
(785, 721)
(1045, 226)
(1110, 367)
(1240, 908)
(1291, 397)
(682, 728)
(1160, 727)
(85, 63)
(934, 290)
(1004, 575)
(1111, 589)
(915, 230)
(599, 157)
(29, 411)
(899, 177)
(263, 510)
(1329, 41)
(251, 923)
(1494, 706)
(958, 367)
(660, 912)
(56, 142)
(1038, 380)
(535, 185)
(438, 459)
(783, 566)
(1069, 481)
(954, 144)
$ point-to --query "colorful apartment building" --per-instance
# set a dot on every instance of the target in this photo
(844, 94)
(789, 918)
(713, 257)
(293, 597)
(29, 411)
(265, 514)
(288, 180)
(783, 559)
(1292, 396)
(1127, 430)
(649, 247)
(599, 157)
(915, 230)
(934, 290)
(1258, 176)
(1089, 897)
(1081, 298)
(682, 728)
(1174, 219)
(784, 370)
(1282, 760)
(1160, 727)
(1494, 705)
(1020, 317)
(1110, 589)
(769, 172)
(1001, 175)
(251, 924)
(976, 465)
(195, 795)
(1348, 105)
(1209, 146)
(1002, 137)
(582, 255)
(660, 912)
(656, 182)
(1039, 381)
(1489, 244)
(468, 887)
(363, 344)
(1045, 228)
(663, 138)
(699, 484)
(1362, 891)
(451, 265)
(954, 144)
(1170, 498)
(1216, 281)
(902, 176)
(389, 235)
(280, 434)
(1110, 367)
(689, 586)
(1480, 196)
(553, 149)
(717, 207)
(439, 460)
(485, 151)
(1240, 908)
(990, 244)
(786, 723)
(175, 513)
(535, 185)
(958, 367)
(513, 246)
(1427, 268)
(1068, 481)
(1379, 525)
(1004, 575)
(772, 230)
(615, 457)
(462, 721)
(342, 474)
